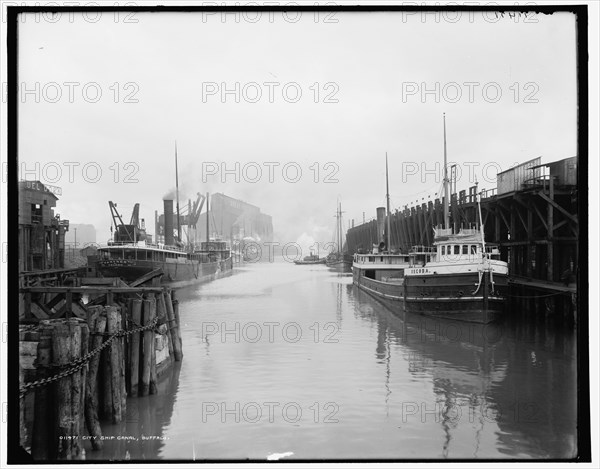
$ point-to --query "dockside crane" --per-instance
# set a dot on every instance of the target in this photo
(127, 233)
(194, 216)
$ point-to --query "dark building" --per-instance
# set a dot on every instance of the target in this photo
(229, 219)
(41, 233)
(234, 219)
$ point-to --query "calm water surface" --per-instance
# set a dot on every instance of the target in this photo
(280, 358)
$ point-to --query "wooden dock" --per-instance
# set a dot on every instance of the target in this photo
(80, 361)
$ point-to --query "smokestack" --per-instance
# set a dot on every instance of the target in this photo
(169, 241)
(380, 223)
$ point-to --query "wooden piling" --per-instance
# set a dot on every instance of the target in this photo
(178, 321)
(43, 437)
(161, 309)
(174, 328)
(80, 378)
(106, 407)
(134, 348)
(149, 310)
(113, 324)
(153, 374)
(123, 361)
(66, 341)
(91, 399)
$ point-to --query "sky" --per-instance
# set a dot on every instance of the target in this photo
(289, 113)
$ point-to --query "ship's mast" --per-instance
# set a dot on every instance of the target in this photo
(387, 196)
(446, 191)
(207, 220)
(177, 195)
(340, 227)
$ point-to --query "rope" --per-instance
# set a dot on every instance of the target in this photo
(78, 364)
(538, 296)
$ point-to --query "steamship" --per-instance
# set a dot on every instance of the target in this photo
(130, 255)
(459, 277)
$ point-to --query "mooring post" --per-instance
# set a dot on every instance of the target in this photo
(148, 346)
(161, 311)
(134, 350)
(153, 377)
(66, 347)
(178, 321)
(173, 326)
(113, 326)
(97, 327)
(43, 437)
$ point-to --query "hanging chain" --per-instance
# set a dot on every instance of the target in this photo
(78, 364)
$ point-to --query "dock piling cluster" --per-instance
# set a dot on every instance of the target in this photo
(85, 369)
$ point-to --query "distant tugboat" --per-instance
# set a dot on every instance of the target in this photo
(311, 259)
(460, 277)
(339, 260)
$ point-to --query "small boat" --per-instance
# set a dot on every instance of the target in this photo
(311, 259)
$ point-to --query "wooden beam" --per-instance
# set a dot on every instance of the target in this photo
(522, 221)
(558, 207)
(539, 214)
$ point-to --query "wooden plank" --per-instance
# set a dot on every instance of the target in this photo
(146, 277)
(91, 289)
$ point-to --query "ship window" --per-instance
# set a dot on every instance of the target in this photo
(456, 249)
(443, 250)
(128, 254)
(465, 249)
(473, 249)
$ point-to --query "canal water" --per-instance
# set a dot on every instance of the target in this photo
(294, 361)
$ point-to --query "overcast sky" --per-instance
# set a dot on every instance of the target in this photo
(361, 78)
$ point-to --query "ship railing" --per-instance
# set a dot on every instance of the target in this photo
(423, 250)
(142, 245)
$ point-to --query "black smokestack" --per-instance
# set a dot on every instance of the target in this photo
(169, 241)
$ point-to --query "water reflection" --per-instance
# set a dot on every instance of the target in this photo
(512, 385)
(141, 436)
(397, 387)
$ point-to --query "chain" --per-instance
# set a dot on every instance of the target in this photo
(78, 364)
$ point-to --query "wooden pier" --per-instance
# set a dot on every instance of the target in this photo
(79, 361)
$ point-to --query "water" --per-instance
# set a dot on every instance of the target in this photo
(280, 358)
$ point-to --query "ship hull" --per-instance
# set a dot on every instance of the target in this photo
(340, 266)
(458, 296)
(390, 294)
(130, 270)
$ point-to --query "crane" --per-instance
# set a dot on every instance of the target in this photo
(131, 232)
